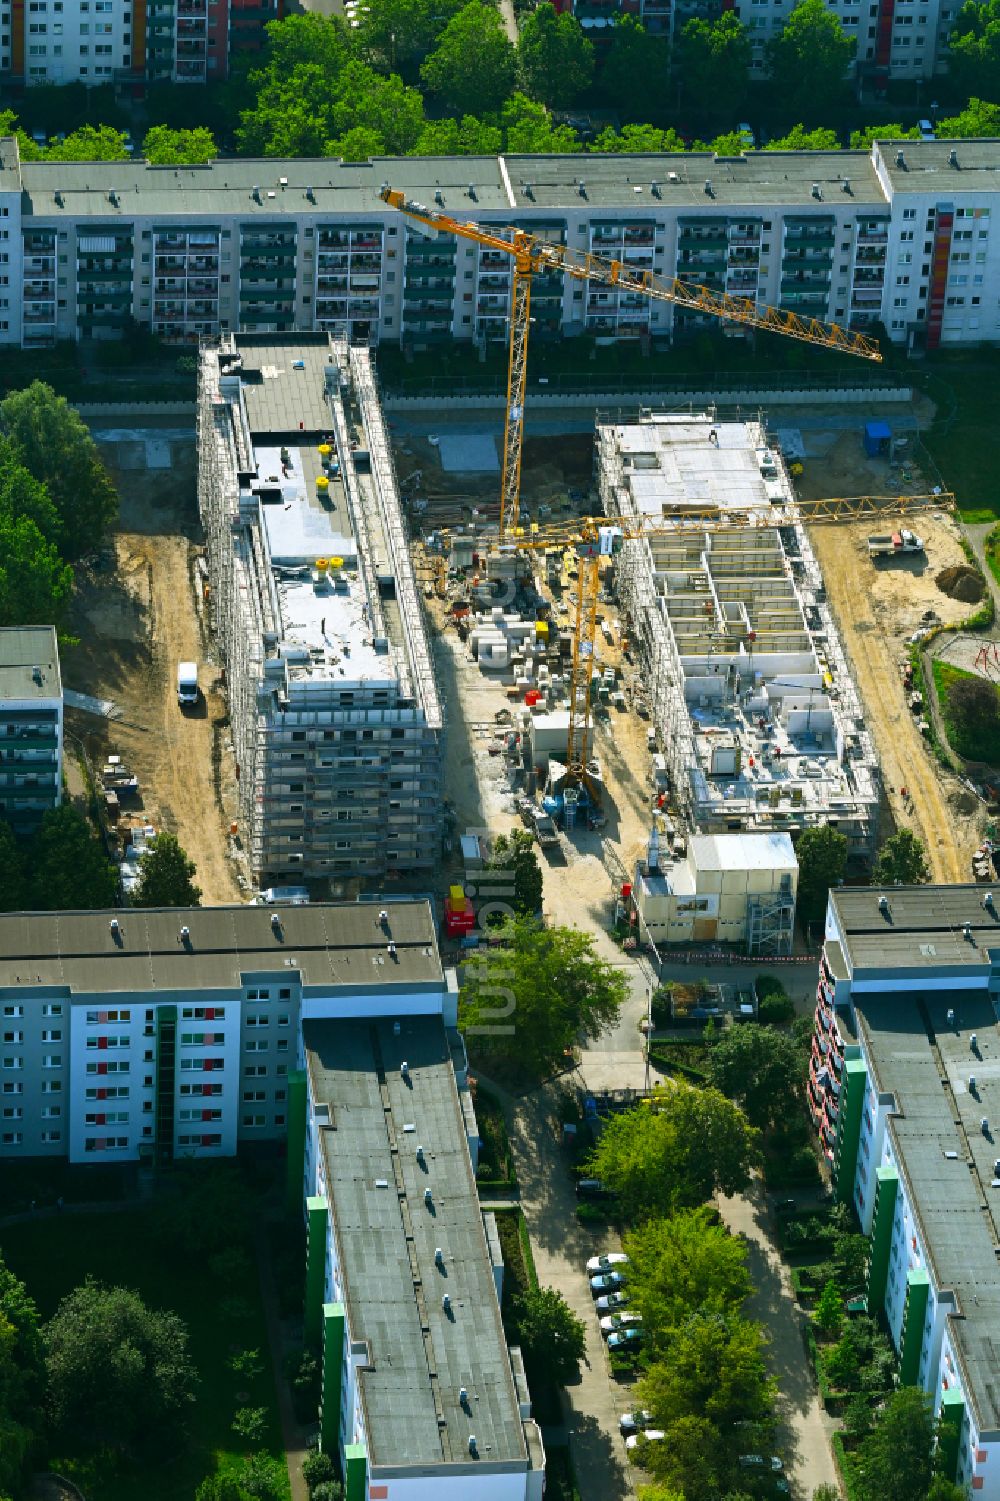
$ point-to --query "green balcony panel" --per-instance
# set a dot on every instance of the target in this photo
(355, 1473)
(914, 1315)
(886, 1191)
(952, 1418)
(334, 1325)
(853, 1087)
(317, 1217)
(296, 1152)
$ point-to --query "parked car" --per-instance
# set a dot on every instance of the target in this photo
(625, 1339)
(605, 1263)
(607, 1282)
(634, 1422)
(592, 1188)
(650, 1436)
(758, 1462)
(615, 1321)
(611, 1301)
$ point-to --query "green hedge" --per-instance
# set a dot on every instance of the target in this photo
(845, 1465)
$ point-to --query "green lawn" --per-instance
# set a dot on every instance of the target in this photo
(52, 1256)
(982, 747)
(992, 549)
(962, 441)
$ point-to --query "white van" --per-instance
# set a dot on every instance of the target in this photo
(285, 896)
(187, 683)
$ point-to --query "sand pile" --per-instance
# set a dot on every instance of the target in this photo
(961, 582)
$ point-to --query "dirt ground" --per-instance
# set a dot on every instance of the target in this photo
(136, 616)
(878, 607)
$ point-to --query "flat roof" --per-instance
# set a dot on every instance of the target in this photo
(743, 851)
(284, 384)
(674, 461)
(29, 662)
(332, 945)
(923, 927)
(927, 168)
(947, 1158)
(387, 1236)
(843, 181)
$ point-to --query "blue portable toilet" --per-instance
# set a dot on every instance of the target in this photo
(878, 439)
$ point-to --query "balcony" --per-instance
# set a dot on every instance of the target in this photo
(334, 239)
(271, 246)
(796, 239)
(702, 239)
(441, 250)
(278, 295)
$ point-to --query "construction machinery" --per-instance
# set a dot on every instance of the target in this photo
(530, 253)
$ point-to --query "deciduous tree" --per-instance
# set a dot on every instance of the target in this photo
(675, 1152)
(897, 1461)
(761, 1069)
(680, 1262)
(163, 146)
(974, 705)
(862, 140)
(820, 138)
(466, 137)
(713, 1366)
(13, 887)
(166, 876)
(22, 1381)
(396, 35)
(539, 994)
(637, 138)
(91, 143)
(979, 118)
(35, 583)
(974, 49)
(529, 129)
(809, 59)
(473, 66)
(552, 1337)
(554, 58)
(53, 442)
(69, 870)
(119, 1372)
(635, 73)
(902, 861)
(514, 861)
(822, 856)
(714, 61)
(830, 1310)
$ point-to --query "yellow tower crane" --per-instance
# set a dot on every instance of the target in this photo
(530, 253)
(592, 539)
(595, 538)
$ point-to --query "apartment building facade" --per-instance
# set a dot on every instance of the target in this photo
(31, 725)
(128, 43)
(905, 235)
(903, 1090)
(147, 1036)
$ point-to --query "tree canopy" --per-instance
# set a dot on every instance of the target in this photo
(978, 118)
(553, 1338)
(902, 861)
(637, 138)
(809, 59)
(474, 64)
(516, 859)
(974, 48)
(714, 60)
(166, 876)
(861, 140)
(35, 583)
(683, 1261)
(465, 137)
(714, 1367)
(636, 71)
(53, 443)
(555, 61)
(68, 869)
(897, 1462)
(800, 139)
(539, 994)
(91, 143)
(975, 705)
(163, 146)
(22, 1381)
(822, 857)
(399, 34)
(675, 1152)
(119, 1372)
(761, 1069)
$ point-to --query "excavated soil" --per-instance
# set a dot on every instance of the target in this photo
(960, 582)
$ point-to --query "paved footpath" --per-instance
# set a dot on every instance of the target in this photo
(804, 1428)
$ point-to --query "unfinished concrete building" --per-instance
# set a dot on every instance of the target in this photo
(750, 690)
(337, 721)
